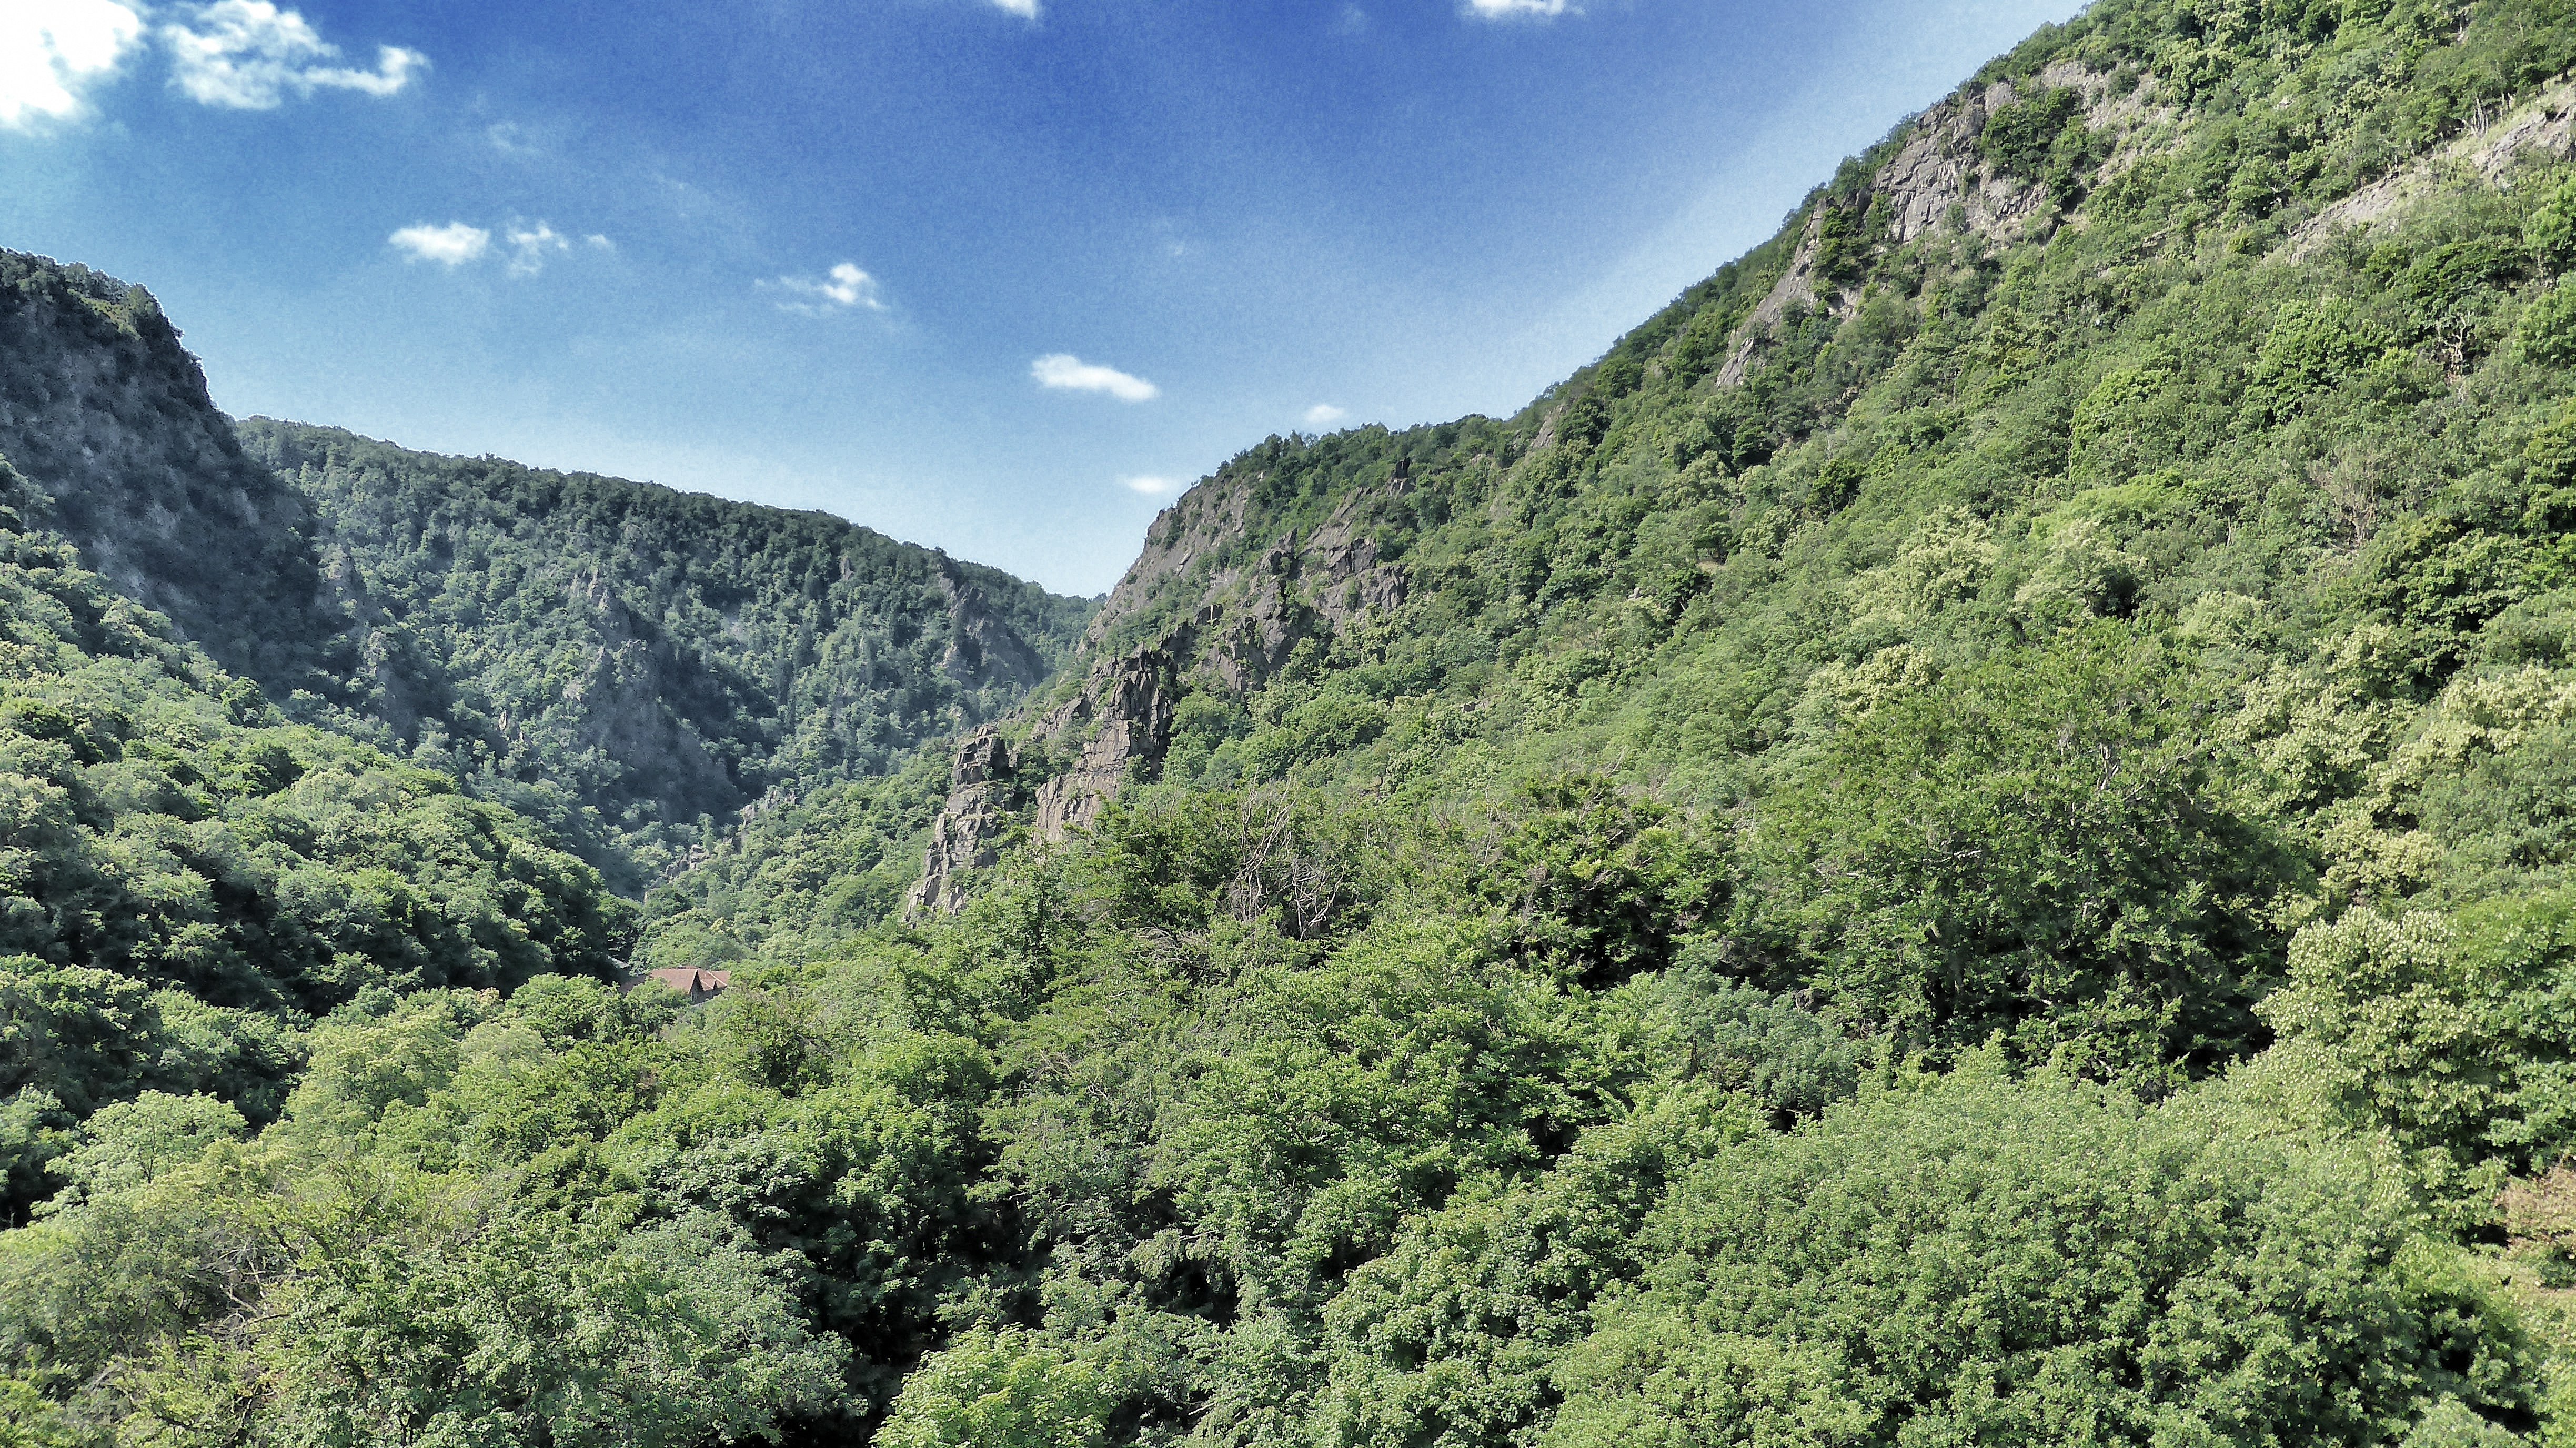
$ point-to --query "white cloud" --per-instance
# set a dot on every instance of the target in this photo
(1518, 9)
(450, 246)
(530, 246)
(241, 54)
(248, 54)
(525, 247)
(843, 287)
(1025, 9)
(51, 49)
(1324, 414)
(1150, 486)
(1071, 373)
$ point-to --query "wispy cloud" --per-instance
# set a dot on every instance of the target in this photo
(1025, 9)
(51, 50)
(842, 288)
(451, 246)
(248, 55)
(1072, 374)
(1519, 9)
(1151, 486)
(1324, 414)
(530, 246)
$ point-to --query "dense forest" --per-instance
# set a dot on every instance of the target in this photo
(630, 664)
(1966, 839)
(635, 664)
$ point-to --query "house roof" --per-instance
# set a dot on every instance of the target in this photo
(689, 980)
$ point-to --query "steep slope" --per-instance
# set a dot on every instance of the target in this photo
(661, 656)
(632, 664)
(187, 880)
(2102, 335)
(103, 409)
(2110, 527)
(1964, 840)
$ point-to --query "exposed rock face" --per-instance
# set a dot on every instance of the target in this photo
(1122, 718)
(1196, 528)
(2545, 125)
(102, 409)
(983, 650)
(1251, 641)
(1348, 581)
(1224, 626)
(964, 836)
(1938, 168)
(624, 713)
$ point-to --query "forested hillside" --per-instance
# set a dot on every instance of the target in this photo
(634, 663)
(631, 664)
(188, 880)
(1964, 840)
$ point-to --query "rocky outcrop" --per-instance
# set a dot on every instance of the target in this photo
(624, 713)
(1938, 177)
(1120, 720)
(1179, 547)
(1251, 640)
(965, 836)
(2545, 125)
(1347, 579)
(105, 412)
(983, 649)
(1228, 626)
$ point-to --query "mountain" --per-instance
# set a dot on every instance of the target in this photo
(104, 410)
(662, 658)
(1963, 839)
(632, 664)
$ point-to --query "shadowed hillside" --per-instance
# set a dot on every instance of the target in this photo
(658, 657)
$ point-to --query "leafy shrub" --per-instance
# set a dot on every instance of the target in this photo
(2050, 845)
(2550, 232)
(1979, 1259)
(2018, 137)
(2547, 332)
(2456, 1034)
(1000, 1390)
(2314, 346)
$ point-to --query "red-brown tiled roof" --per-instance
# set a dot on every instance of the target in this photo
(690, 981)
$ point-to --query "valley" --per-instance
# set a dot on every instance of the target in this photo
(1965, 838)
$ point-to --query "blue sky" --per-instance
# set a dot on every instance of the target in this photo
(994, 275)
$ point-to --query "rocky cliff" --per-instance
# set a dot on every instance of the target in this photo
(1201, 610)
(107, 414)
